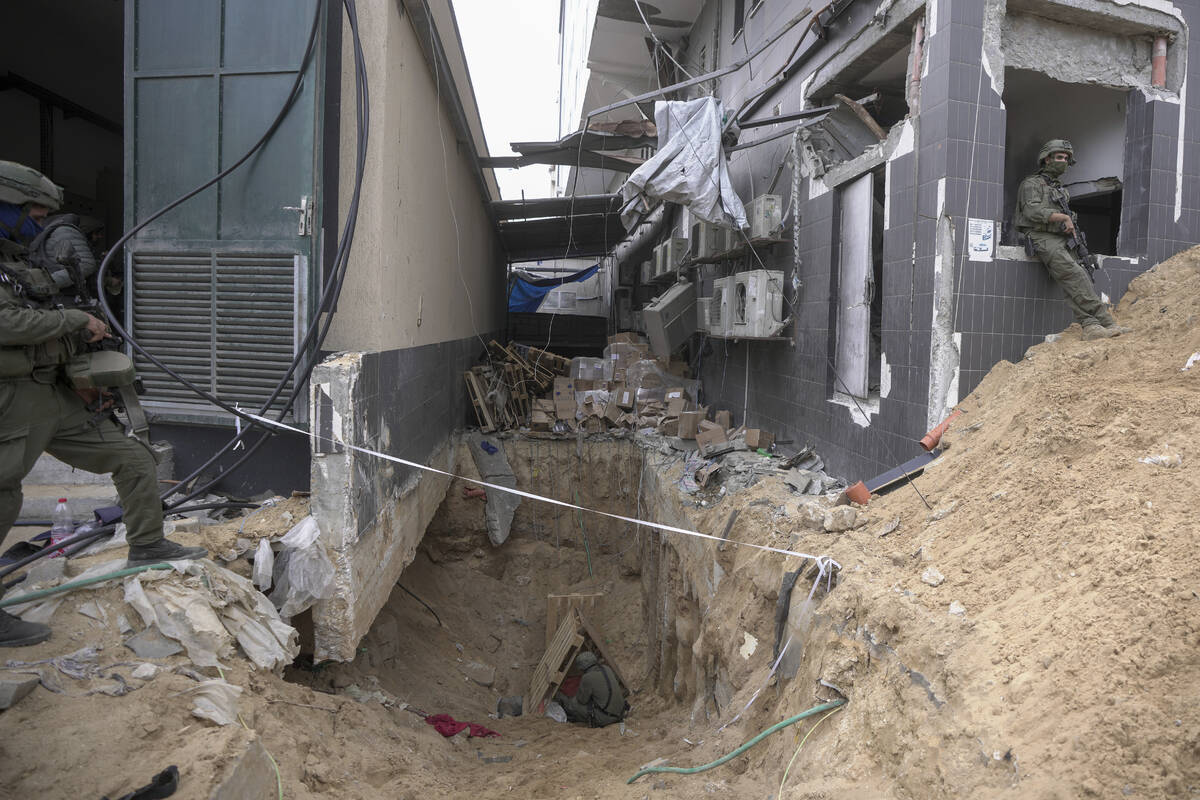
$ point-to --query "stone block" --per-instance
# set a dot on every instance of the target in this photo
(12, 689)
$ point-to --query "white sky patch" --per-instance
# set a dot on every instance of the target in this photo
(512, 53)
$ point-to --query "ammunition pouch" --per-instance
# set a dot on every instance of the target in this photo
(110, 369)
(101, 369)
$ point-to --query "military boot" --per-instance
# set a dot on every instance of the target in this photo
(1095, 330)
(162, 550)
(16, 632)
(1116, 329)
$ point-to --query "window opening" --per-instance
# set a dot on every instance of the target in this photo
(1092, 118)
(739, 16)
(859, 311)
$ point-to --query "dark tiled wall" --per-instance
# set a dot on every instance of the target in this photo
(1000, 307)
(419, 396)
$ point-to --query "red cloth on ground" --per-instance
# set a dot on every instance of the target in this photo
(446, 725)
(570, 685)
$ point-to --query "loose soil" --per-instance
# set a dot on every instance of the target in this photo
(1070, 669)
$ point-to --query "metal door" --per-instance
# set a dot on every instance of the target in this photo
(219, 287)
(854, 294)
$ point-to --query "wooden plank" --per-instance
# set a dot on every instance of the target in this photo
(554, 664)
(486, 424)
(558, 605)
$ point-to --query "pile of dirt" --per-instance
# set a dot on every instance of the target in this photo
(1025, 628)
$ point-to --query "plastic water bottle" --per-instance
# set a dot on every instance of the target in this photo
(62, 527)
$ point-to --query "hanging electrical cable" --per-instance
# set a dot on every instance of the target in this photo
(316, 332)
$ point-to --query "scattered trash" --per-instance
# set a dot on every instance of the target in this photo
(555, 711)
(150, 643)
(1165, 457)
(1193, 359)
(303, 573)
(264, 565)
(448, 726)
(489, 448)
(933, 577)
(215, 700)
(957, 608)
(94, 610)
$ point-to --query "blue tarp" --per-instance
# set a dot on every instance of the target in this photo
(526, 295)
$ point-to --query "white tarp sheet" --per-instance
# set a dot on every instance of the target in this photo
(689, 167)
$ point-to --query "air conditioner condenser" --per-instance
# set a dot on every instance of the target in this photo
(670, 318)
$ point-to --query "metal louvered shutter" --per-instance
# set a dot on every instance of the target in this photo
(225, 321)
(254, 325)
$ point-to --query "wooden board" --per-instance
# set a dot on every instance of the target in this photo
(479, 400)
(558, 605)
(551, 670)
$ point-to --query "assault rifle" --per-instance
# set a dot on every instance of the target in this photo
(1077, 243)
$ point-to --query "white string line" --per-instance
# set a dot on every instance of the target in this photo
(821, 561)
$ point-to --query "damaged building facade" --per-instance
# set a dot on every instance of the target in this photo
(903, 130)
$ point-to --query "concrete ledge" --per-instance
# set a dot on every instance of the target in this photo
(370, 522)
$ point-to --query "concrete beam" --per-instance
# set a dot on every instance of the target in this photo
(370, 524)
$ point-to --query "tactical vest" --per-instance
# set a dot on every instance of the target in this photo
(36, 288)
(1054, 193)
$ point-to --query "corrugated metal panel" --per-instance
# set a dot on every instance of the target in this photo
(225, 321)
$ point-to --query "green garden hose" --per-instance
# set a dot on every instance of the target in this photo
(777, 727)
(67, 587)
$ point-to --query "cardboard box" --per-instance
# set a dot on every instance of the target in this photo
(613, 412)
(708, 425)
(625, 398)
(669, 427)
(540, 420)
(673, 393)
(593, 425)
(715, 435)
(564, 388)
(584, 385)
(758, 438)
(676, 406)
(689, 424)
(724, 419)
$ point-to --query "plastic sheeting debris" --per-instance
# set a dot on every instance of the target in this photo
(216, 700)
(689, 168)
(211, 610)
(303, 573)
(264, 563)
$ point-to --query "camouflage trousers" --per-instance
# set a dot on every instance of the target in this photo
(37, 417)
(1069, 274)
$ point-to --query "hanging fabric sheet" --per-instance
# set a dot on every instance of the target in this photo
(689, 167)
(527, 295)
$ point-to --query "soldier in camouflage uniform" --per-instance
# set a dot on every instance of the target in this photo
(599, 700)
(1041, 218)
(40, 412)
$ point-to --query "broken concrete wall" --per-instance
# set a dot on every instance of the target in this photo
(372, 512)
(945, 166)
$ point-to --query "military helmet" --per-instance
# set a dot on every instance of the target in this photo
(586, 659)
(20, 184)
(1056, 146)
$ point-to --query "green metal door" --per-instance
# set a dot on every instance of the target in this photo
(219, 288)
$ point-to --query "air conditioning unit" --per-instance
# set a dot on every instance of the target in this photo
(707, 239)
(719, 308)
(670, 318)
(671, 255)
(757, 303)
(702, 306)
(766, 216)
(731, 239)
(647, 273)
